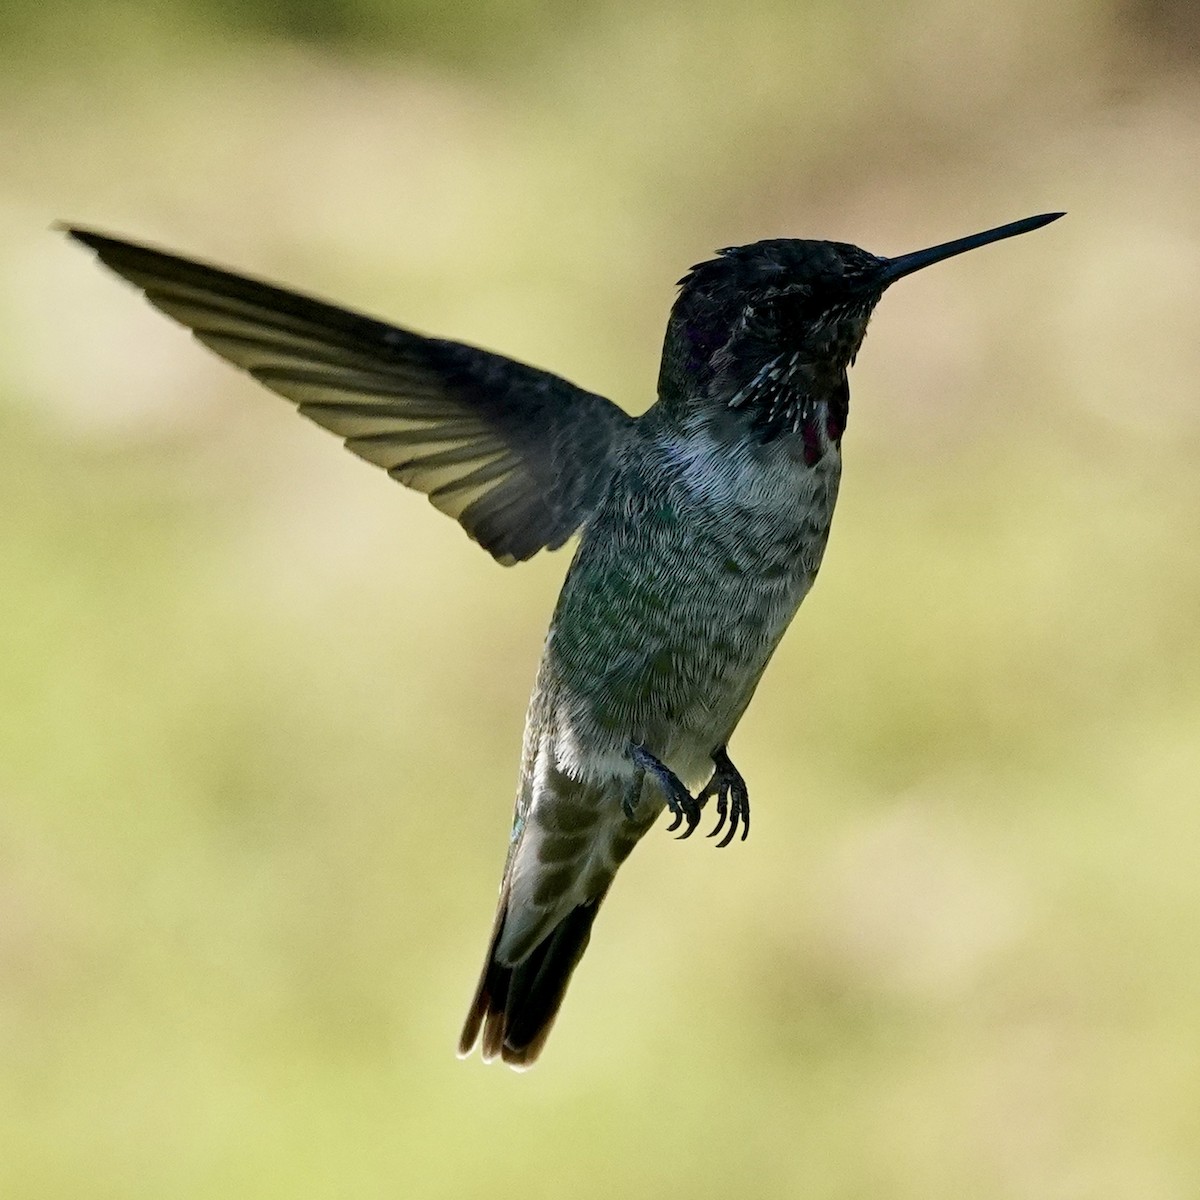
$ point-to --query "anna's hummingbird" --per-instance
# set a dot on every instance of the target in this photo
(702, 523)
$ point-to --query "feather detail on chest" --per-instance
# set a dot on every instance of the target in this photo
(732, 481)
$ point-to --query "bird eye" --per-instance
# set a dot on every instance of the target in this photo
(784, 313)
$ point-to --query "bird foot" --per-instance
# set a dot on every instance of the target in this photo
(732, 796)
(683, 806)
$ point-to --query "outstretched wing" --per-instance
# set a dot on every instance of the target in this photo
(518, 456)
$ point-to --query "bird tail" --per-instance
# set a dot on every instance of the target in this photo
(515, 1004)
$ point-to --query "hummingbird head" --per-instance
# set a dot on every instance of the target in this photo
(763, 328)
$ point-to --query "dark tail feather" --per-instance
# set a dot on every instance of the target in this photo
(515, 1006)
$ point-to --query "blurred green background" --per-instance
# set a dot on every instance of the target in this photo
(260, 709)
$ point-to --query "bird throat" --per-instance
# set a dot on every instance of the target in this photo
(784, 399)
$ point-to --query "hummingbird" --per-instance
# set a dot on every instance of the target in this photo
(702, 524)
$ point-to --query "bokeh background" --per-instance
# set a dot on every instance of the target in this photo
(260, 709)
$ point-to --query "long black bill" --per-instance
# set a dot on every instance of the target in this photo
(906, 264)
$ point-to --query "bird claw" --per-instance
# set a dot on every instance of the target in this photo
(726, 786)
(684, 808)
(733, 798)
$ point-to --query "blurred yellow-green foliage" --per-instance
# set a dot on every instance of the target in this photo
(260, 709)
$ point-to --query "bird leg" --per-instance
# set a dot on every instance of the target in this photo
(634, 792)
(679, 800)
(732, 795)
